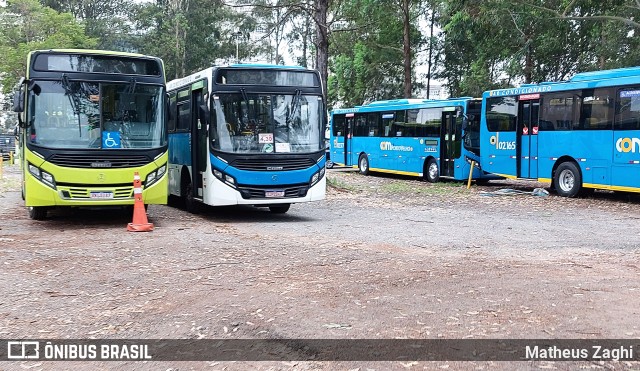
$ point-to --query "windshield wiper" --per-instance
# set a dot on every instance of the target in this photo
(66, 85)
(245, 97)
(295, 105)
(132, 86)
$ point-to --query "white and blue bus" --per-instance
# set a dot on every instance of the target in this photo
(578, 135)
(419, 137)
(247, 134)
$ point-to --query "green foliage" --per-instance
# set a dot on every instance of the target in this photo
(188, 35)
(493, 43)
(28, 26)
(107, 21)
(366, 53)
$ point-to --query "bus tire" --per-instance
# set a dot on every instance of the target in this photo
(37, 212)
(363, 164)
(279, 209)
(432, 173)
(567, 180)
(190, 203)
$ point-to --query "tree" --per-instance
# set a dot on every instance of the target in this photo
(25, 26)
(188, 35)
(373, 52)
(107, 21)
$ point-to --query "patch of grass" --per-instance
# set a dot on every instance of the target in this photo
(440, 188)
(340, 185)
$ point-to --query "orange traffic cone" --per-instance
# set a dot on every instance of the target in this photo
(140, 222)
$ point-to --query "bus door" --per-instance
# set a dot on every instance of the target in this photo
(527, 136)
(198, 141)
(625, 171)
(450, 141)
(348, 136)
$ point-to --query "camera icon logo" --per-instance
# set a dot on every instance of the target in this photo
(23, 349)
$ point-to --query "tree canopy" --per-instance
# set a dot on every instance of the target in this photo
(365, 49)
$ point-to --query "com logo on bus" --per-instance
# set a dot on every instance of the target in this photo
(627, 145)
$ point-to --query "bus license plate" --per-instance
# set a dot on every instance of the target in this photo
(270, 194)
(101, 195)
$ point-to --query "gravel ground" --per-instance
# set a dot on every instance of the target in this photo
(382, 257)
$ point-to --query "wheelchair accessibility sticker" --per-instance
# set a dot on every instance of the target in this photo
(111, 139)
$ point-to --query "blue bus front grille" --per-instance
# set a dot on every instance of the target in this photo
(98, 160)
(275, 164)
(260, 193)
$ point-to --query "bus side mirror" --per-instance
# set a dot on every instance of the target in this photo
(466, 119)
(167, 108)
(204, 113)
(18, 97)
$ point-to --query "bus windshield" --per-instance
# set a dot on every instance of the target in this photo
(265, 123)
(86, 114)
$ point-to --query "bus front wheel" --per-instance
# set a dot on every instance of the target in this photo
(363, 164)
(280, 209)
(567, 180)
(37, 212)
(190, 203)
(432, 175)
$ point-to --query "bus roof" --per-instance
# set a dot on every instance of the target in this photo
(207, 72)
(398, 104)
(262, 65)
(176, 83)
(584, 80)
(90, 51)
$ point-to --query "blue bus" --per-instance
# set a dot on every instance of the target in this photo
(579, 135)
(432, 139)
(247, 134)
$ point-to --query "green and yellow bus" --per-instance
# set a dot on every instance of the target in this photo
(90, 119)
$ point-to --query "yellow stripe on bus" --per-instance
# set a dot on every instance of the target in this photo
(506, 176)
(611, 188)
(395, 172)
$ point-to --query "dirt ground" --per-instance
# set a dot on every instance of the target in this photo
(382, 258)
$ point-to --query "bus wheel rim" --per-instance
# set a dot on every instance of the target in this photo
(363, 164)
(567, 180)
(433, 170)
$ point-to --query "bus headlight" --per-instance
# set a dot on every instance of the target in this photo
(229, 179)
(226, 178)
(42, 176)
(316, 177)
(155, 175)
(47, 178)
(34, 171)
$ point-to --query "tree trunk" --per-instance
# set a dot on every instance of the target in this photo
(322, 41)
(433, 13)
(406, 50)
(528, 64)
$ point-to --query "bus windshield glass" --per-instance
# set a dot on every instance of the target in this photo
(84, 114)
(263, 123)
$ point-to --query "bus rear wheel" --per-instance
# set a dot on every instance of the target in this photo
(37, 212)
(567, 180)
(432, 173)
(280, 209)
(363, 164)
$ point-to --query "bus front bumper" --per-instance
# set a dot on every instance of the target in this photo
(226, 195)
(38, 193)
